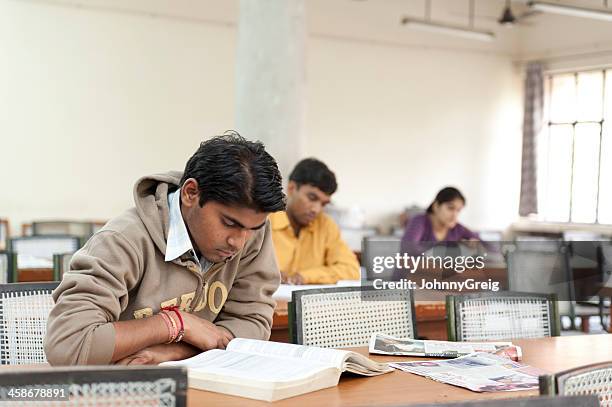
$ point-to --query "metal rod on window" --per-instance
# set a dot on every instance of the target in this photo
(548, 136)
(427, 10)
(571, 202)
(601, 127)
(581, 122)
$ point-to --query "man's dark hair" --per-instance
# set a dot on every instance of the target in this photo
(234, 171)
(313, 172)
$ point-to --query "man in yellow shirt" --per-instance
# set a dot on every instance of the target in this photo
(309, 248)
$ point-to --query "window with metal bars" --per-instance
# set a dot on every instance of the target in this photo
(575, 148)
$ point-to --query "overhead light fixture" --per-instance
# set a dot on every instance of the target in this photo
(442, 28)
(569, 10)
(468, 32)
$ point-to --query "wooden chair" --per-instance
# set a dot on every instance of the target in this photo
(341, 317)
(501, 315)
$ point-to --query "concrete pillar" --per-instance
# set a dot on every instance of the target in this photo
(270, 77)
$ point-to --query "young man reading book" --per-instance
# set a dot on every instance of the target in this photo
(308, 244)
(190, 267)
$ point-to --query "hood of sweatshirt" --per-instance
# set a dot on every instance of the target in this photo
(151, 199)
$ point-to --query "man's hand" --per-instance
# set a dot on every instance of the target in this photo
(284, 277)
(296, 279)
(156, 354)
(204, 334)
(227, 335)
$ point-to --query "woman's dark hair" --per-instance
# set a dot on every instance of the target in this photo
(447, 194)
(313, 172)
(234, 171)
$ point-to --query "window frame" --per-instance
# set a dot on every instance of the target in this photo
(548, 124)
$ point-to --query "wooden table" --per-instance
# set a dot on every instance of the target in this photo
(550, 354)
(30, 275)
(431, 320)
(280, 323)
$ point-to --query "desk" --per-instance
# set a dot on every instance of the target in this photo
(431, 320)
(550, 354)
(280, 323)
(26, 275)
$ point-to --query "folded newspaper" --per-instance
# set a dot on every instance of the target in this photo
(388, 345)
(481, 372)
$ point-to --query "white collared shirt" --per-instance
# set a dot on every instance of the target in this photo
(179, 241)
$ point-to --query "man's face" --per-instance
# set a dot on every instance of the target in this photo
(304, 203)
(218, 231)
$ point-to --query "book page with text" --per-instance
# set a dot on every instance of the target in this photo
(332, 357)
(252, 367)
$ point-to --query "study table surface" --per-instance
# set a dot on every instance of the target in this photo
(395, 388)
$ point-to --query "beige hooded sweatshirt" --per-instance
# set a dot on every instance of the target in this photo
(121, 274)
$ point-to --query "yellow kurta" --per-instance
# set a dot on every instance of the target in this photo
(319, 254)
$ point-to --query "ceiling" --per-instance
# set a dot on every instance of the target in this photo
(378, 21)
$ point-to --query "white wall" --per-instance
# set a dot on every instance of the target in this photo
(92, 98)
(397, 124)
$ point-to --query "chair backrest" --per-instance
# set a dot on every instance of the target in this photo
(375, 246)
(605, 263)
(574, 401)
(501, 315)
(61, 264)
(341, 317)
(97, 386)
(583, 254)
(538, 243)
(4, 234)
(592, 379)
(38, 251)
(532, 270)
(24, 310)
(585, 269)
(62, 228)
(8, 265)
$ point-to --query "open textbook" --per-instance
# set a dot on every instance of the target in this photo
(478, 372)
(273, 371)
(389, 345)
